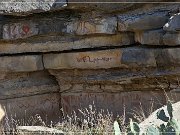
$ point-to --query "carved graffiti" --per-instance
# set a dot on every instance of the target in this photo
(94, 60)
(19, 30)
(98, 59)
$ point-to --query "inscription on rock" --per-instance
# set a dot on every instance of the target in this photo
(100, 59)
(84, 60)
(19, 30)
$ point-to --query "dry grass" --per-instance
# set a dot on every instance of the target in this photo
(87, 121)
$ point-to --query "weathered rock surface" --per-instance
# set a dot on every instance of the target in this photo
(141, 22)
(25, 108)
(138, 57)
(172, 39)
(111, 101)
(83, 60)
(172, 25)
(19, 30)
(95, 26)
(152, 37)
(21, 7)
(112, 53)
(57, 43)
(16, 85)
(21, 63)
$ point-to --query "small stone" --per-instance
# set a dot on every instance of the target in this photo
(38, 130)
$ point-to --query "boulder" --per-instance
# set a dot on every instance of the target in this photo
(173, 24)
(24, 7)
(141, 22)
(152, 119)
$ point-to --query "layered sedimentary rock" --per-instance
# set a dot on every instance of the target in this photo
(58, 54)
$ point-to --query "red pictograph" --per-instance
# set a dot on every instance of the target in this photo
(26, 28)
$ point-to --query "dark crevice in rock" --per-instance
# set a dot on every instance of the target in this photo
(16, 97)
(69, 51)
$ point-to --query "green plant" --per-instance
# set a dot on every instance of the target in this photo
(133, 128)
(117, 130)
(171, 125)
(152, 130)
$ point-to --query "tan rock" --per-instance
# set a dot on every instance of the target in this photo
(21, 63)
(49, 46)
(153, 37)
(83, 60)
(94, 26)
(112, 102)
(171, 39)
(16, 85)
(47, 106)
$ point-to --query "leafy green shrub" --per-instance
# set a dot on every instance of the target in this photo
(171, 126)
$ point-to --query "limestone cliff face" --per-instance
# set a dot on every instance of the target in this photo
(55, 53)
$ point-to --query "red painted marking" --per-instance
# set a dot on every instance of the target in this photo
(25, 28)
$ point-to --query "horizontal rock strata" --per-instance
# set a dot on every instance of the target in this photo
(68, 54)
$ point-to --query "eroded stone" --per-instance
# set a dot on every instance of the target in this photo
(16, 85)
(47, 106)
(112, 102)
(93, 26)
(173, 24)
(23, 7)
(142, 22)
(138, 57)
(22, 63)
(61, 44)
(19, 30)
(153, 37)
(171, 39)
(83, 60)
